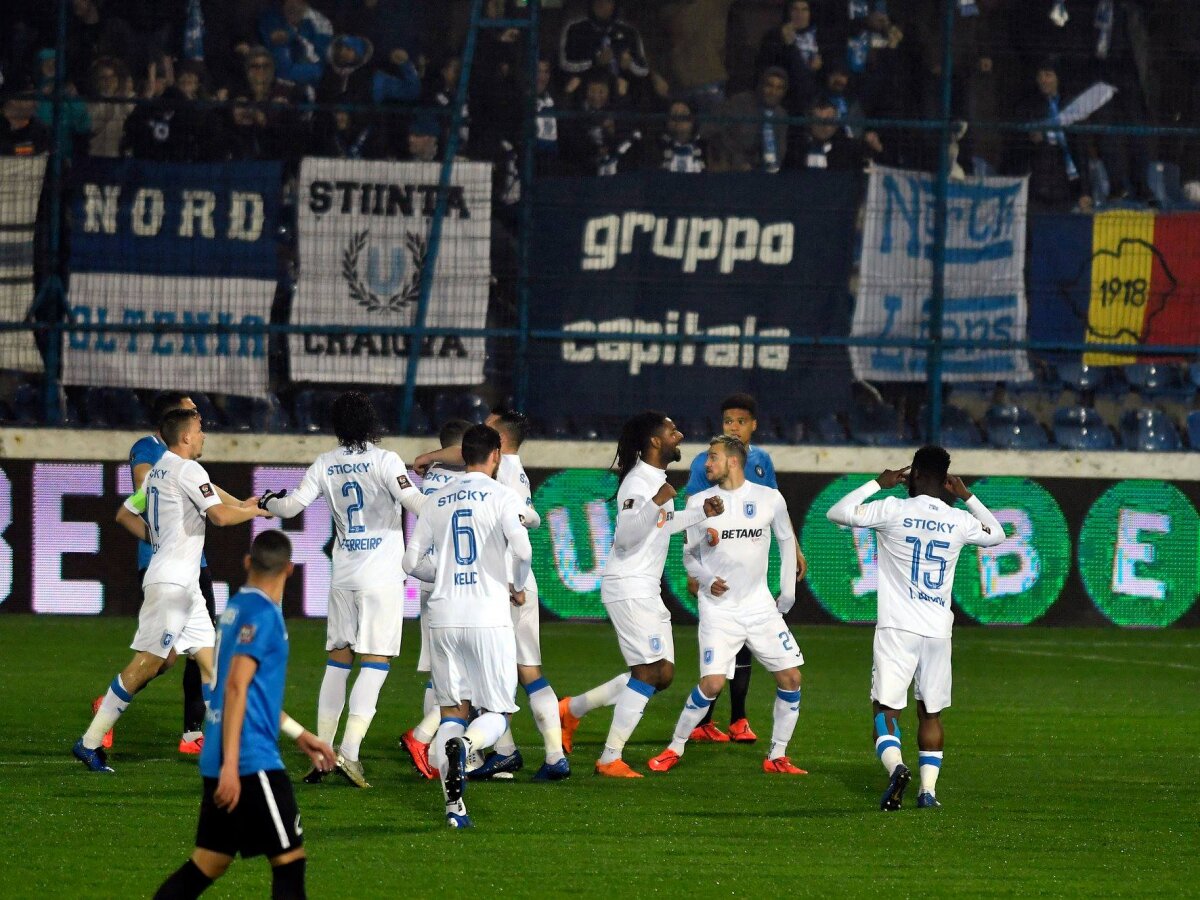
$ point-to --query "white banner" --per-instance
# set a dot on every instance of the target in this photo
(984, 284)
(20, 188)
(222, 363)
(364, 239)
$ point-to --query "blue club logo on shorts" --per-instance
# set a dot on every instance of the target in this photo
(708, 656)
(655, 644)
(749, 509)
(167, 639)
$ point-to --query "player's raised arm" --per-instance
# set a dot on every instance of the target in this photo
(988, 532)
(418, 554)
(286, 504)
(853, 510)
(447, 456)
(785, 536)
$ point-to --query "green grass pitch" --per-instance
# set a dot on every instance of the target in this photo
(1071, 769)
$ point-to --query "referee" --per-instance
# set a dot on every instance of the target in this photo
(248, 806)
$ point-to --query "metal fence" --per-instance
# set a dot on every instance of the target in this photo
(879, 280)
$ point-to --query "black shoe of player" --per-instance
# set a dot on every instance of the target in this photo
(456, 766)
(894, 795)
(315, 776)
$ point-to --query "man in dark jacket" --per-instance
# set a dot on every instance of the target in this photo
(604, 43)
(1056, 164)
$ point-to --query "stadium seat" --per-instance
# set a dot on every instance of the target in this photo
(1165, 184)
(1193, 429)
(310, 410)
(473, 408)
(1149, 430)
(29, 404)
(1194, 374)
(209, 414)
(387, 404)
(443, 408)
(123, 408)
(828, 430)
(958, 428)
(1081, 377)
(558, 429)
(256, 414)
(418, 422)
(1011, 427)
(1152, 379)
(1082, 428)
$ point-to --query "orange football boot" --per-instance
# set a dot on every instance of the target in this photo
(665, 761)
(741, 732)
(709, 733)
(568, 723)
(618, 768)
(781, 765)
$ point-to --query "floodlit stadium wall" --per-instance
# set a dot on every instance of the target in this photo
(1093, 538)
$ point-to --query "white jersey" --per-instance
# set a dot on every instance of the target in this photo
(438, 476)
(460, 543)
(919, 540)
(178, 493)
(365, 492)
(512, 475)
(735, 546)
(642, 536)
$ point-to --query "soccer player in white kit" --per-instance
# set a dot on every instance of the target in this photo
(367, 489)
(417, 742)
(461, 544)
(727, 555)
(919, 541)
(173, 618)
(630, 586)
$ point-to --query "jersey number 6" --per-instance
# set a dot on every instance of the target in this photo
(465, 550)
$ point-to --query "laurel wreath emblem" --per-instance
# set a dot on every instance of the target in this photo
(418, 251)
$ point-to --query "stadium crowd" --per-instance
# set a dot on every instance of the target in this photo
(210, 80)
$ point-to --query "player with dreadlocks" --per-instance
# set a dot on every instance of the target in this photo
(630, 585)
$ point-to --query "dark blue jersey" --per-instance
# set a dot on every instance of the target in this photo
(251, 625)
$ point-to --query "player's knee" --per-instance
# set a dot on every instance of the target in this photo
(711, 685)
(788, 680)
(664, 676)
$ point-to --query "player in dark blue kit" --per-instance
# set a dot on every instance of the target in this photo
(739, 419)
(248, 806)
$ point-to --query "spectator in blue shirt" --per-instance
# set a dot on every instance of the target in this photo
(298, 37)
(247, 805)
(739, 419)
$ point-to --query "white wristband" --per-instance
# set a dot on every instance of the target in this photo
(291, 727)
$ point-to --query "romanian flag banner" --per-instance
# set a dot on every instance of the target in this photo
(1123, 277)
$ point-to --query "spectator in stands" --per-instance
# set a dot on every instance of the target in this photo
(794, 46)
(110, 81)
(497, 89)
(157, 27)
(839, 94)
(76, 123)
(169, 128)
(349, 77)
(20, 133)
(547, 125)
(596, 143)
(350, 135)
(1055, 163)
(93, 33)
(261, 83)
(680, 147)
(441, 92)
(247, 135)
(298, 37)
(423, 136)
(745, 146)
(691, 49)
(389, 25)
(601, 42)
(826, 144)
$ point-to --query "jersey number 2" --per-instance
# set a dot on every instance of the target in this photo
(351, 487)
(465, 550)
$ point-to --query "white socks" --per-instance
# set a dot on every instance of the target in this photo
(787, 711)
(694, 711)
(486, 730)
(363, 700)
(425, 730)
(628, 712)
(506, 746)
(603, 695)
(116, 701)
(429, 702)
(543, 705)
(931, 767)
(332, 699)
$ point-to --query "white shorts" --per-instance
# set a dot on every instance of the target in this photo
(423, 657)
(173, 617)
(724, 631)
(899, 658)
(475, 664)
(527, 628)
(643, 630)
(368, 622)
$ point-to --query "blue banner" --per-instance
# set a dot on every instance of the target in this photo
(665, 255)
(176, 218)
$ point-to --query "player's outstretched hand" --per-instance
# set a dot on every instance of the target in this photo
(785, 603)
(229, 789)
(889, 478)
(270, 495)
(515, 597)
(665, 494)
(718, 587)
(321, 754)
(713, 506)
(955, 485)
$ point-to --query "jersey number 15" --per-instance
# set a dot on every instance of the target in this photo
(931, 556)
